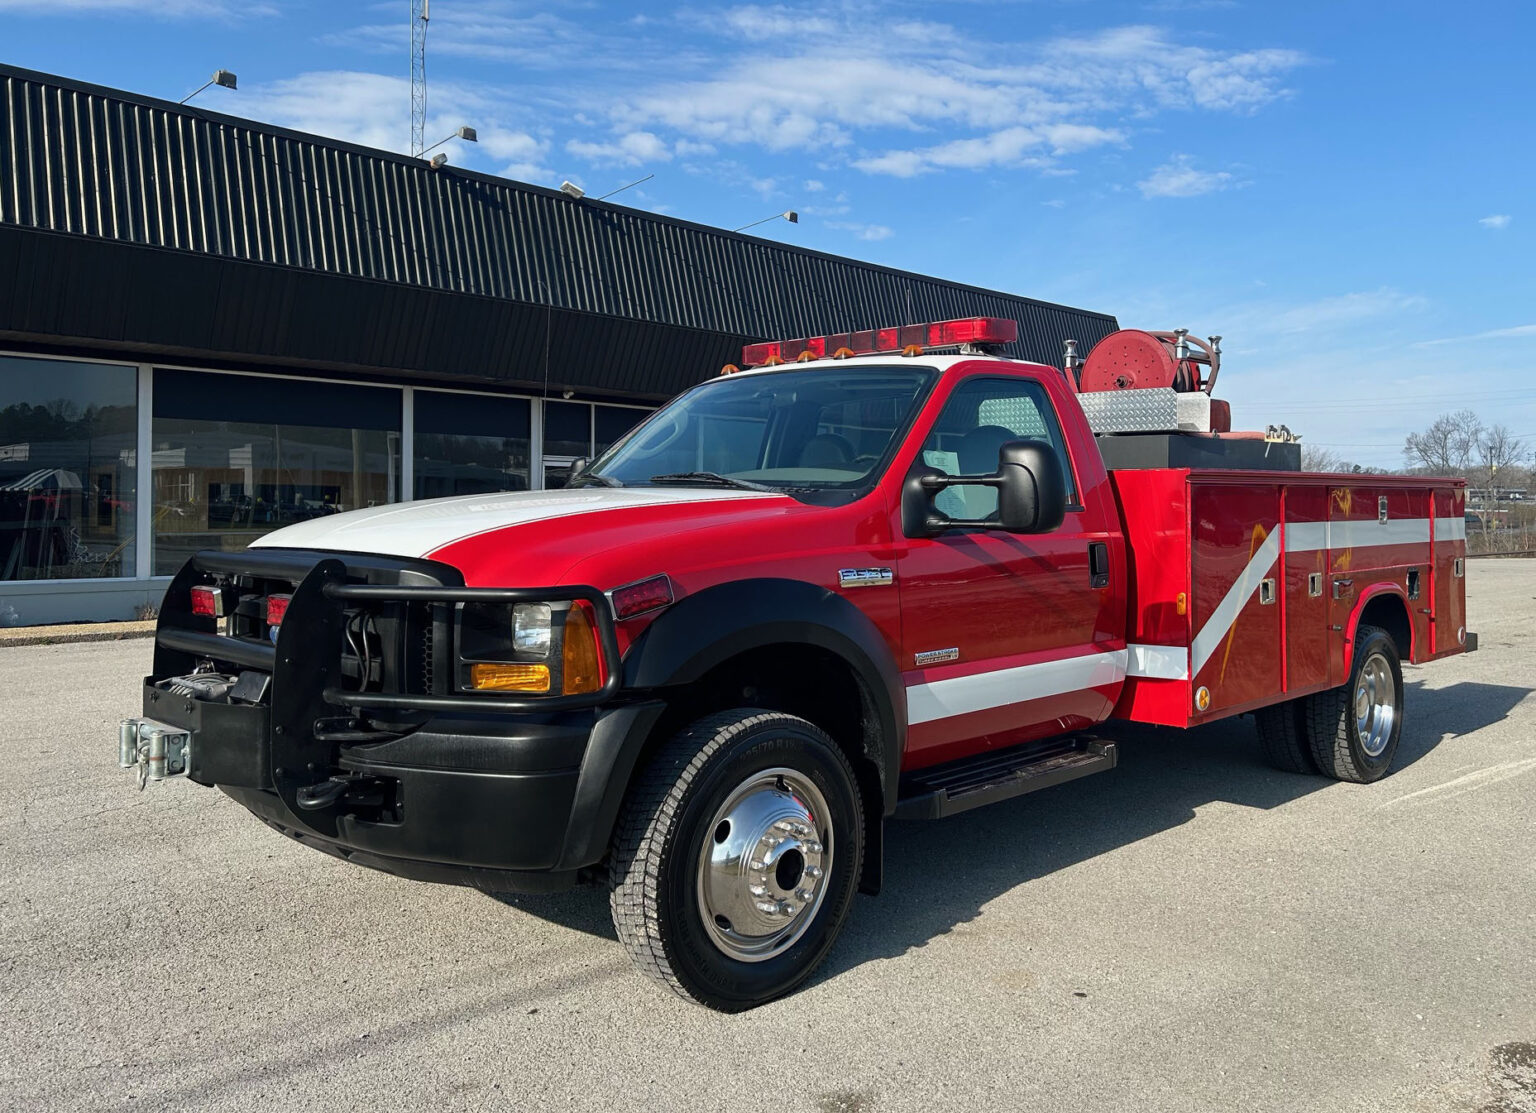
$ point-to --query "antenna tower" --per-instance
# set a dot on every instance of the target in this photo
(420, 14)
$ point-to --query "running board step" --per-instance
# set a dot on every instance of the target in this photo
(974, 781)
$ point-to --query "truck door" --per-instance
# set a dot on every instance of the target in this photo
(1003, 635)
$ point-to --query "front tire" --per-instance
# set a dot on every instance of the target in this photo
(736, 857)
(1354, 729)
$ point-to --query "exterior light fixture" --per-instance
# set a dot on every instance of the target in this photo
(791, 216)
(224, 79)
(468, 134)
(439, 160)
(572, 190)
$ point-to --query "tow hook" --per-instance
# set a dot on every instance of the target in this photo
(153, 750)
(359, 791)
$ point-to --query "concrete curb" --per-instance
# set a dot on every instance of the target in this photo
(17, 636)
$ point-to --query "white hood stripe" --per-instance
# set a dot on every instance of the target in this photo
(415, 529)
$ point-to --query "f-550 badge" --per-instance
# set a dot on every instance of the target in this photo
(865, 577)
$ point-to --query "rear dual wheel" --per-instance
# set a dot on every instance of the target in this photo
(736, 857)
(1349, 733)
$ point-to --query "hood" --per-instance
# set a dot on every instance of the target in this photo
(418, 529)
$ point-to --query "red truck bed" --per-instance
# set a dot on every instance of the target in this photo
(1248, 585)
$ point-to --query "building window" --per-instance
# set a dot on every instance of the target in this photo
(567, 436)
(610, 423)
(67, 469)
(576, 429)
(238, 456)
(468, 444)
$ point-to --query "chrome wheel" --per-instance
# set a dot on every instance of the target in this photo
(764, 864)
(1375, 705)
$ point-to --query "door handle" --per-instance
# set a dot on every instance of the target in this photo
(1098, 564)
(1342, 587)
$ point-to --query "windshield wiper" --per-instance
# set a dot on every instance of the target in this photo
(714, 479)
(604, 480)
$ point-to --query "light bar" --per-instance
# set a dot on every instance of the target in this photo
(936, 334)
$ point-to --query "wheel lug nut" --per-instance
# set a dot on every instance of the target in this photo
(805, 894)
(813, 872)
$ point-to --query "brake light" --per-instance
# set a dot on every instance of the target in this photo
(277, 607)
(904, 338)
(208, 601)
(643, 597)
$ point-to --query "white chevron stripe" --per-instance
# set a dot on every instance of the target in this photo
(1307, 537)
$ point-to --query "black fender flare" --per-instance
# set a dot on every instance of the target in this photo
(699, 632)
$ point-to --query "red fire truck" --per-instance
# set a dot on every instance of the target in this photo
(882, 574)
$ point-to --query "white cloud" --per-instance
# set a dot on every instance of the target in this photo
(1060, 96)
(1006, 147)
(920, 97)
(870, 232)
(1515, 333)
(630, 149)
(374, 110)
(1179, 178)
(1496, 221)
(813, 186)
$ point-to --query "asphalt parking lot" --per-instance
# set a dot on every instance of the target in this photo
(1192, 931)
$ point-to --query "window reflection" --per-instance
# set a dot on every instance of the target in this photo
(67, 469)
(238, 457)
(468, 444)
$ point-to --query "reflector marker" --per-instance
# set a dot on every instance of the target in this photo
(1157, 662)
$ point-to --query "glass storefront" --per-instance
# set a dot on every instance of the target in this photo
(237, 456)
(576, 429)
(68, 434)
(468, 444)
(227, 457)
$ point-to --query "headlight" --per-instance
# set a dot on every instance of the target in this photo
(530, 647)
(530, 629)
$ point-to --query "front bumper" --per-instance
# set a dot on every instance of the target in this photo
(520, 803)
(499, 793)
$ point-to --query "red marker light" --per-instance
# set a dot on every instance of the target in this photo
(208, 601)
(277, 607)
(643, 597)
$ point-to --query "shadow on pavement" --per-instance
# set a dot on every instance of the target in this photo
(1163, 776)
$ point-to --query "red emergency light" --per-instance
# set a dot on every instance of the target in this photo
(868, 342)
(207, 601)
(277, 608)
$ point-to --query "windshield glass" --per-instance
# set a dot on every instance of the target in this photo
(793, 430)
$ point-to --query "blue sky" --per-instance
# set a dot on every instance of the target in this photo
(1343, 190)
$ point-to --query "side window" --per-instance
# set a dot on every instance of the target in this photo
(980, 417)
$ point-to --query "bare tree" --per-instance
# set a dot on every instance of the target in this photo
(1315, 457)
(1498, 451)
(1447, 447)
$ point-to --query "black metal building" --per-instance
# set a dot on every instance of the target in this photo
(417, 331)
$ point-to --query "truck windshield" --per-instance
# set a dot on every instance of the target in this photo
(791, 430)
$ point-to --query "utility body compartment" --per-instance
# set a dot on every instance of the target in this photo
(1248, 586)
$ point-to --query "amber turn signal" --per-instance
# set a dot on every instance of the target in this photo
(580, 670)
(509, 678)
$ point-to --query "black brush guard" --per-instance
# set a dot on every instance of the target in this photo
(291, 745)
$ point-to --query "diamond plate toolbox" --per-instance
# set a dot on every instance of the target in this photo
(1131, 411)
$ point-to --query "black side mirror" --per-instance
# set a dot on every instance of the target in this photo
(1031, 494)
(1032, 497)
(579, 465)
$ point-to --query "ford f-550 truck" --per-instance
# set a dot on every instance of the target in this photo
(858, 580)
